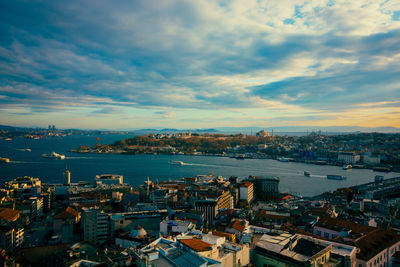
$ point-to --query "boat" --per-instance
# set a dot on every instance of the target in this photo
(53, 155)
(178, 162)
(306, 173)
(4, 160)
(8, 139)
(347, 167)
(284, 159)
(240, 156)
(336, 177)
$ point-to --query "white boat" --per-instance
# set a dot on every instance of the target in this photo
(176, 162)
(53, 155)
(347, 167)
(4, 160)
(284, 159)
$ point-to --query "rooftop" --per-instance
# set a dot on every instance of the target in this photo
(196, 244)
(246, 184)
(374, 242)
(9, 215)
(67, 213)
(339, 225)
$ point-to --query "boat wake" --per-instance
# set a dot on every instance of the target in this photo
(26, 162)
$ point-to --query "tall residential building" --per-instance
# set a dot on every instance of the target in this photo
(246, 191)
(225, 200)
(95, 225)
(209, 207)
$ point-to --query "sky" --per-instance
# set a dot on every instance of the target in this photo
(199, 64)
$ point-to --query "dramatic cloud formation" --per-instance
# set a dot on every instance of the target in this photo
(133, 64)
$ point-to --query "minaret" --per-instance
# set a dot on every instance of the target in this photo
(67, 177)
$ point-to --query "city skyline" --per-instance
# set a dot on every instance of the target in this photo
(203, 64)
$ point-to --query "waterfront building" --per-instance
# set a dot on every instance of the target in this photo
(108, 179)
(25, 187)
(266, 187)
(95, 225)
(348, 157)
(246, 191)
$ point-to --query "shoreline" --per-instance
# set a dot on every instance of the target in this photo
(385, 168)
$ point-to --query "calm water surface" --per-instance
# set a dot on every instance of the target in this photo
(135, 168)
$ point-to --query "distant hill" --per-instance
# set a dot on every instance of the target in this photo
(282, 130)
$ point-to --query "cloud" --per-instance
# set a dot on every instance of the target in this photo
(299, 56)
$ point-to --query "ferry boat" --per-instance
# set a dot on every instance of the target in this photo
(53, 155)
(347, 167)
(4, 160)
(336, 177)
(177, 163)
(306, 173)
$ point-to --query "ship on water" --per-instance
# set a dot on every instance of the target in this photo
(53, 155)
(347, 167)
(176, 163)
(336, 177)
(306, 173)
(4, 160)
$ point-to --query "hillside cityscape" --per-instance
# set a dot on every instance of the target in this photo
(174, 133)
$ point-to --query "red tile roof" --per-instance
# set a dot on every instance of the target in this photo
(196, 244)
(238, 225)
(67, 213)
(338, 225)
(9, 214)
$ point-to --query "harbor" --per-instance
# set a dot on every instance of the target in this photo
(135, 168)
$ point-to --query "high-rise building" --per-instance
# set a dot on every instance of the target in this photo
(95, 225)
(209, 207)
(67, 177)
